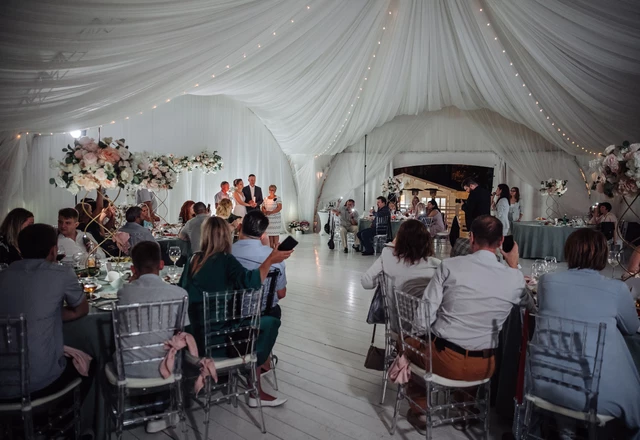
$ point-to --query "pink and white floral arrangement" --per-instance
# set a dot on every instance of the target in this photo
(109, 164)
(617, 171)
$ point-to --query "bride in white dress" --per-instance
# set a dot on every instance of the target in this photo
(239, 205)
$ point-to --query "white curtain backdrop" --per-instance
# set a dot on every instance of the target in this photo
(185, 126)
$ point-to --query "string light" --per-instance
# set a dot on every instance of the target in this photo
(541, 110)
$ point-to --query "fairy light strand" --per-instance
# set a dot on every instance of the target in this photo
(502, 50)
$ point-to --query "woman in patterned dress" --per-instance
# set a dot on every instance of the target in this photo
(271, 207)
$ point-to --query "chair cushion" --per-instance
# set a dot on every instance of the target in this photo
(443, 381)
(578, 415)
(221, 363)
(17, 406)
(112, 377)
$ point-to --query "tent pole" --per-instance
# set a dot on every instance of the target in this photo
(364, 184)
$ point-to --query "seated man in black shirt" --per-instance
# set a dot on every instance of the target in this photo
(379, 225)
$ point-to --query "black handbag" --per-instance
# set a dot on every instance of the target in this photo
(375, 356)
(376, 309)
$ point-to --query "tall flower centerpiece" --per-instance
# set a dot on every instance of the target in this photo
(553, 188)
(391, 188)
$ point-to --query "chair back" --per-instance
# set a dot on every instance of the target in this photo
(269, 290)
(413, 324)
(383, 225)
(232, 321)
(14, 356)
(607, 228)
(140, 331)
(565, 359)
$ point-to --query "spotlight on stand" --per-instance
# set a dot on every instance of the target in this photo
(75, 134)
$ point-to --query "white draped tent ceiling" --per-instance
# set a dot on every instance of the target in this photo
(320, 74)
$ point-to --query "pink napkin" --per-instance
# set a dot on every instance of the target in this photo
(122, 241)
(178, 342)
(399, 371)
(80, 359)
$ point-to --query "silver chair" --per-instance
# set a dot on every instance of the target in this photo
(140, 331)
(566, 354)
(14, 372)
(383, 233)
(231, 323)
(390, 337)
(438, 389)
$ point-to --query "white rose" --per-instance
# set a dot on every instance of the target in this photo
(124, 153)
(76, 169)
(108, 167)
(53, 163)
(84, 140)
(113, 183)
(73, 189)
(100, 175)
(126, 175)
(634, 147)
(609, 149)
(60, 182)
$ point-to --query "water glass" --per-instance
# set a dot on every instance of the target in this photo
(538, 268)
(551, 263)
(174, 254)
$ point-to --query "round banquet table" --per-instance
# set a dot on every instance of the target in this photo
(539, 241)
(365, 223)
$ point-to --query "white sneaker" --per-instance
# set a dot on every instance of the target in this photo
(253, 402)
(154, 426)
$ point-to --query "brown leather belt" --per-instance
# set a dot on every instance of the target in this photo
(441, 344)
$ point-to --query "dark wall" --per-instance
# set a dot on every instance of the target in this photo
(450, 175)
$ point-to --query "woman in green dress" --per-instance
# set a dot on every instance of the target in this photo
(214, 269)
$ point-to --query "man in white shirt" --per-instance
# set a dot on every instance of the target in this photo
(73, 241)
(469, 298)
(223, 194)
(348, 223)
(192, 229)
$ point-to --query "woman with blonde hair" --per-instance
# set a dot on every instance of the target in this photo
(14, 222)
(224, 212)
(215, 269)
(271, 207)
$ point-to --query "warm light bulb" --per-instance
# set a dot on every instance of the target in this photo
(154, 107)
(18, 137)
(75, 133)
(168, 100)
(228, 66)
(127, 117)
(113, 122)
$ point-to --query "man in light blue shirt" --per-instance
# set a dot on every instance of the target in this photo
(251, 253)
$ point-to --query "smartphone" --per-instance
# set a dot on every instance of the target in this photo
(288, 244)
(507, 244)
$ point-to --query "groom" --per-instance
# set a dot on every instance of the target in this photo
(252, 192)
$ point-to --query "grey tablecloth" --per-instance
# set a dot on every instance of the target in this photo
(366, 223)
(166, 243)
(93, 334)
(539, 241)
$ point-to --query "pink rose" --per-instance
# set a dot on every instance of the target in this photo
(627, 186)
(100, 175)
(611, 161)
(113, 183)
(109, 155)
(84, 140)
(144, 165)
(91, 146)
(78, 154)
(90, 159)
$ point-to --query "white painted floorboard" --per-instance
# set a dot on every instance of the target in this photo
(321, 347)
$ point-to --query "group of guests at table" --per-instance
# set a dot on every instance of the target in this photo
(470, 296)
(51, 294)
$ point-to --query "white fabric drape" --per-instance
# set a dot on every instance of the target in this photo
(299, 65)
(185, 126)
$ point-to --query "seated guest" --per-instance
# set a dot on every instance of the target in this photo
(73, 241)
(348, 223)
(224, 212)
(607, 221)
(102, 225)
(191, 231)
(48, 295)
(134, 228)
(215, 269)
(187, 212)
(421, 214)
(13, 223)
(582, 294)
(147, 219)
(393, 208)
(85, 209)
(414, 205)
(251, 253)
(437, 221)
(408, 266)
(469, 297)
(379, 225)
(223, 194)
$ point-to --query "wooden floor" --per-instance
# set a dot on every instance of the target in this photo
(321, 347)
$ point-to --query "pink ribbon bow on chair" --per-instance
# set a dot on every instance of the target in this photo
(400, 371)
(80, 359)
(122, 241)
(177, 343)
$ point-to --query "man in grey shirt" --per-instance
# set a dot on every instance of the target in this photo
(192, 229)
(134, 228)
(38, 288)
(223, 194)
(348, 223)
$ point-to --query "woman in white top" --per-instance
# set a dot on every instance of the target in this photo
(515, 210)
(271, 207)
(239, 205)
(502, 208)
(408, 266)
(437, 222)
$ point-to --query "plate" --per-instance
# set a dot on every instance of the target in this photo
(110, 296)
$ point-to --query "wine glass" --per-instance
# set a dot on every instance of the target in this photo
(612, 259)
(538, 268)
(551, 263)
(174, 254)
(89, 287)
(60, 256)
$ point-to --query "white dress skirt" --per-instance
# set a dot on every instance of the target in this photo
(275, 220)
(238, 209)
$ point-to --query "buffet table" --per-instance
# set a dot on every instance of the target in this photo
(365, 223)
(535, 240)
